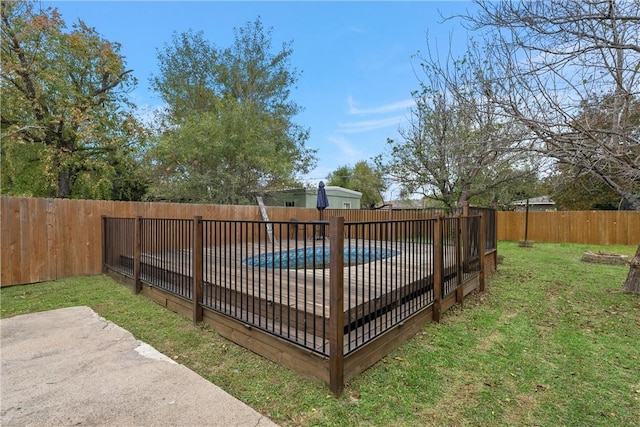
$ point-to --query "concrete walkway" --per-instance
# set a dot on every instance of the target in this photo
(72, 367)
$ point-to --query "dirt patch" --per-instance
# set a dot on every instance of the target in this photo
(449, 408)
(523, 408)
(605, 258)
(489, 342)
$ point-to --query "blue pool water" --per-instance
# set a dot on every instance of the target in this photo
(317, 257)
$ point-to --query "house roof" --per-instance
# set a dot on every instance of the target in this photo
(542, 200)
(330, 189)
(406, 203)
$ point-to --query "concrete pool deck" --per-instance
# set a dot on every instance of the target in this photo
(72, 367)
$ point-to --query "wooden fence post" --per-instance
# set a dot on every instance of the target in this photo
(196, 253)
(495, 237)
(466, 226)
(459, 261)
(336, 305)
(103, 221)
(137, 283)
(481, 249)
(465, 208)
(437, 269)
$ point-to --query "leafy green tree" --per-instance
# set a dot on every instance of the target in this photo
(363, 178)
(341, 177)
(228, 132)
(68, 129)
(525, 185)
(573, 189)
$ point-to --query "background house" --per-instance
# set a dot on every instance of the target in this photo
(406, 203)
(536, 204)
(339, 198)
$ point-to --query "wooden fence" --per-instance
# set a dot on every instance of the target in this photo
(47, 239)
(590, 227)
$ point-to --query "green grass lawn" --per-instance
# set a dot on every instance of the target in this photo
(553, 341)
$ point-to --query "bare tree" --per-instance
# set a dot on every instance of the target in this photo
(569, 71)
(458, 145)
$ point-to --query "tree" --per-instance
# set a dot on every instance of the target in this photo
(68, 129)
(457, 146)
(573, 189)
(568, 71)
(228, 132)
(522, 187)
(363, 178)
(341, 177)
(632, 284)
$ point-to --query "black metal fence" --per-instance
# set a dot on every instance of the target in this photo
(166, 254)
(274, 276)
(387, 280)
(330, 288)
(450, 254)
(490, 226)
(118, 250)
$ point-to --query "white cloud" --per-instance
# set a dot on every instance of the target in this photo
(382, 109)
(347, 150)
(368, 125)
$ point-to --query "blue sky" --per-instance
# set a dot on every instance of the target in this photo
(355, 58)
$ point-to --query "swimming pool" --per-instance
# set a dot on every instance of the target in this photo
(310, 257)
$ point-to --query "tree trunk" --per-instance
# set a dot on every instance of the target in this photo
(633, 279)
(64, 185)
(464, 195)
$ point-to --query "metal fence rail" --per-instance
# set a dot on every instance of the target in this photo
(278, 286)
(490, 228)
(386, 280)
(166, 254)
(119, 244)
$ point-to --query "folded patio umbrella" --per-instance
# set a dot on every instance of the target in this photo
(322, 202)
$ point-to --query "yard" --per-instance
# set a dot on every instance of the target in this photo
(551, 342)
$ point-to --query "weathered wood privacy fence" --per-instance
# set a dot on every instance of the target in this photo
(327, 299)
(589, 227)
(47, 239)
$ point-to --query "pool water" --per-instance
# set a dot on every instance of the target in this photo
(317, 257)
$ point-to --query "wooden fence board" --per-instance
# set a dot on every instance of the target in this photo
(23, 240)
(38, 261)
(587, 227)
(5, 241)
(51, 246)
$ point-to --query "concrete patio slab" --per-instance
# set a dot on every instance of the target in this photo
(72, 367)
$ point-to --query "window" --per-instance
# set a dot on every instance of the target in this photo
(289, 204)
(346, 205)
